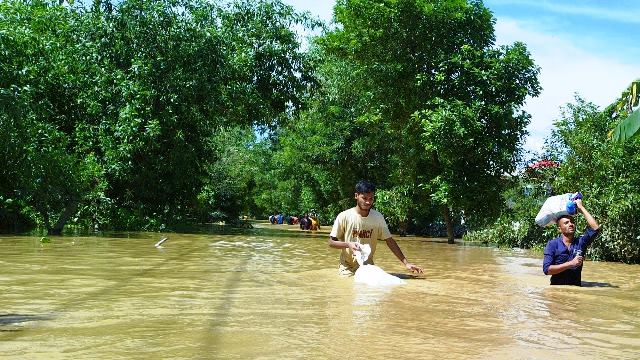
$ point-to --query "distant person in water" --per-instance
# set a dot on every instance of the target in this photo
(363, 225)
(314, 222)
(563, 256)
(305, 222)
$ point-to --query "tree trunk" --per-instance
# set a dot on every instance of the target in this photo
(449, 223)
(68, 212)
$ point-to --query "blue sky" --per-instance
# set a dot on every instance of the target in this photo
(587, 47)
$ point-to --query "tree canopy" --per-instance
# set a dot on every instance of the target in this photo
(110, 110)
(406, 88)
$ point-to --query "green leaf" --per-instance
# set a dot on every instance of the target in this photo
(627, 127)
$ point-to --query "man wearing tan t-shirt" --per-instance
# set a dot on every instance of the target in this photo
(363, 225)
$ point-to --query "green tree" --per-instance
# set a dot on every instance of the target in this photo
(195, 72)
(43, 68)
(115, 108)
(429, 87)
(230, 180)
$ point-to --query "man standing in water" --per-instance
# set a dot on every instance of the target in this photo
(563, 255)
(363, 225)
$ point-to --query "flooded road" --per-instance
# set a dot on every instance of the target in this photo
(273, 293)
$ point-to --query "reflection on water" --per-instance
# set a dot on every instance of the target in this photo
(274, 293)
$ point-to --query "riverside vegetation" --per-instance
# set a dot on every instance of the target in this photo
(148, 115)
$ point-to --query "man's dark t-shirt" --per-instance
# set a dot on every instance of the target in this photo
(556, 253)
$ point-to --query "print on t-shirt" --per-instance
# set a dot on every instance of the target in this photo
(363, 234)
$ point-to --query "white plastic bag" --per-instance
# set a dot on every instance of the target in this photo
(556, 206)
(375, 276)
(362, 255)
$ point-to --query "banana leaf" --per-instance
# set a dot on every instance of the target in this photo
(627, 127)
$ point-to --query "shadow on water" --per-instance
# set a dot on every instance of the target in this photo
(219, 317)
(6, 320)
(10, 319)
(598, 284)
(406, 276)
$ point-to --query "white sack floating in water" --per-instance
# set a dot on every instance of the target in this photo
(375, 276)
(371, 274)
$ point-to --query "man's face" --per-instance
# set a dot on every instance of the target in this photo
(365, 200)
(566, 225)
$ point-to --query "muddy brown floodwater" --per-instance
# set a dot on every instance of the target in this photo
(273, 293)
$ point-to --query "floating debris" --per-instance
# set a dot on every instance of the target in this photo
(159, 243)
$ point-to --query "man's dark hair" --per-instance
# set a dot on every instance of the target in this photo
(565, 216)
(364, 186)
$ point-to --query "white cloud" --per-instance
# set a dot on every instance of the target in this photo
(566, 69)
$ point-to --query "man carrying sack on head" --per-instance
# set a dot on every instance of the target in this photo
(563, 256)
